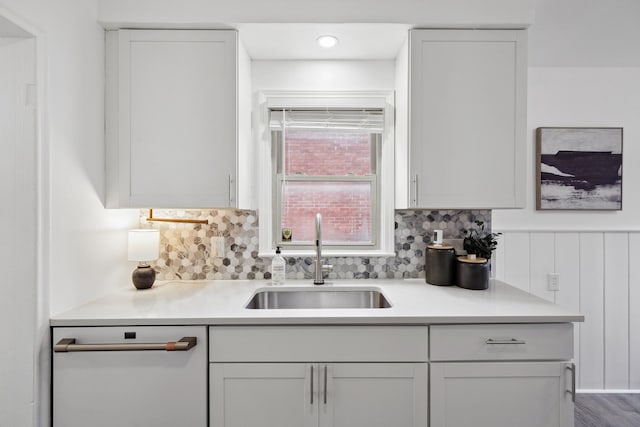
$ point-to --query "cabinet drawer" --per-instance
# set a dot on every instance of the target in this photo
(318, 343)
(502, 342)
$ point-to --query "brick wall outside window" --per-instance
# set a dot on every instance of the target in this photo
(345, 206)
(327, 153)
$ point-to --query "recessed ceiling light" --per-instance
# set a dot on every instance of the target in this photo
(327, 41)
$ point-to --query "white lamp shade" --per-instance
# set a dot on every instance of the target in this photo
(144, 244)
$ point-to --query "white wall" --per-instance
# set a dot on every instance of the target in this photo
(323, 75)
(585, 33)
(87, 244)
(582, 96)
(18, 230)
(246, 182)
(402, 126)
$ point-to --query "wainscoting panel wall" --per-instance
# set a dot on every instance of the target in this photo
(634, 309)
(592, 306)
(616, 310)
(599, 274)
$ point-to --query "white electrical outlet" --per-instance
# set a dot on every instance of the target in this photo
(217, 247)
(553, 281)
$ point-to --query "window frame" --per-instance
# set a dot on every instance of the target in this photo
(383, 219)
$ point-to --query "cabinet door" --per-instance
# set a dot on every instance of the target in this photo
(171, 118)
(526, 394)
(263, 394)
(373, 395)
(467, 102)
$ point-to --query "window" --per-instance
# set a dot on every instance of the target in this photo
(326, 162)
(329, 159)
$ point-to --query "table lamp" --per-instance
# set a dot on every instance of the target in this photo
(143, 247)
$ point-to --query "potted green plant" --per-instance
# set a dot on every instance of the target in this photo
(479, 242)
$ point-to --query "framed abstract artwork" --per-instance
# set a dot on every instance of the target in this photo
(578, 168)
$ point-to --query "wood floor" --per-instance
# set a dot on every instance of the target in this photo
(607, 410)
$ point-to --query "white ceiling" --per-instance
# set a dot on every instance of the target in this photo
(298, 41)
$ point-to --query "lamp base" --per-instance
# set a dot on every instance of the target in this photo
(143, 277)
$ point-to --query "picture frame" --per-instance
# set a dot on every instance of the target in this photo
(579, 168)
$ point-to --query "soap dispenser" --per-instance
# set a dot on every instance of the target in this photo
(278, 268)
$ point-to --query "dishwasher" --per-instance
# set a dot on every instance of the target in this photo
(130, 376)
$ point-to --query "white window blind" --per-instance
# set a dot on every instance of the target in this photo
(371, 121)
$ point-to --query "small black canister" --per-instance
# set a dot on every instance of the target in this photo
(473, 273)
(440, 265)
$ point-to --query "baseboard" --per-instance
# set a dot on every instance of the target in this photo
(608, 391)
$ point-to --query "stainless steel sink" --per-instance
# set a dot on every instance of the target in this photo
(292, 298)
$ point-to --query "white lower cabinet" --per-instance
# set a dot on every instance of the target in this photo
(502, 375)
(482, 375)
(501, 394)
(262, 394)
(318, 394)
(373, 395)
(318, 376)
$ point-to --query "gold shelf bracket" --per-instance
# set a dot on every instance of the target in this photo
(150, 218)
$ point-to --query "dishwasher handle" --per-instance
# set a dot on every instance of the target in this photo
(66, 345)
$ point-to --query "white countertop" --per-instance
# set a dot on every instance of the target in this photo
(222, 302)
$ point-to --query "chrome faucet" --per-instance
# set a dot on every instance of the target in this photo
(319, 279)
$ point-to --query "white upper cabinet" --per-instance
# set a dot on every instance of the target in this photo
(172, 118)
(467, 116)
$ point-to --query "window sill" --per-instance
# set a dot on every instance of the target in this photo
(331, 253)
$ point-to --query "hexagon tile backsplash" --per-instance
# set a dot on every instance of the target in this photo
(185, 249)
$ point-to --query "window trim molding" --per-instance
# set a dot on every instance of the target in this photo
(384, 100)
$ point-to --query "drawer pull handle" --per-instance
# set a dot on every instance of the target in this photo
(572, 368)
(67, 345)
(311, 388)
(325, 384)
(510, 341)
